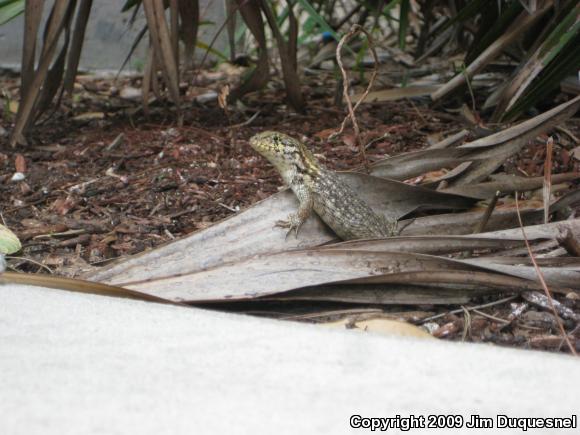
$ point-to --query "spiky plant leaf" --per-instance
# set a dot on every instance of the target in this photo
(10, 9)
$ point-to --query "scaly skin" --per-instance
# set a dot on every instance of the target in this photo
(321, 190)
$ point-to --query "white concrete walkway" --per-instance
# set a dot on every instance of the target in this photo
(83, 364)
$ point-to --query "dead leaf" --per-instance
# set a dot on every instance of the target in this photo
(396, 94)
(13, 106)
(89, 116)
(381, 326)
(508, 184)
(223, 97)
(20, 163)
(63, 205)
(487, 153)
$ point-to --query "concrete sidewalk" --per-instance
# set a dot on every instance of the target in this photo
(83, 364)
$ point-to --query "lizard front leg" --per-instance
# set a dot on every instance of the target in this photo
(295, 220)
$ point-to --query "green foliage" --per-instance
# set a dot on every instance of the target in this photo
(7, 114)
(308, 29)
(315, 16)
(404, 22)
(138, 65)
(10, 9)
(213, 51)
(547, 50)
(359, 58)
(561, 36)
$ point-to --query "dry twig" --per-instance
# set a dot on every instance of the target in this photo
(477, 307)
(543, 281)
(548, 178)
(487, 214)
(354, 30)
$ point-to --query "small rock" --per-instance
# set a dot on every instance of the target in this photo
(130, 93)
(430, 327)
(18, 176)
(206, 97)
(170, 133)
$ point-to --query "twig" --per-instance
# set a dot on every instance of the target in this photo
(489, 316)
(542, 280)
(227, 207)
(548, 178)
(246, 122)
(376, 139)
(470, 88)
(30, 260)
(348, 16)
(418, 112)
(324, 314)
(182, 212)
(235, 8)
(460, 310)
(568, 133)
(354, 30)
(119, 140)
(487, 214)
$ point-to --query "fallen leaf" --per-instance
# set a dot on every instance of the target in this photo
(9, 243)
(13, 107)
(381, 326)
(89, 116)
(396, 94)
(63, 205)
(20, 163)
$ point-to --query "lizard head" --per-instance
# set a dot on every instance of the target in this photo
(275, 146)
(287, 154)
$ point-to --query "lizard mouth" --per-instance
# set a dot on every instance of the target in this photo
(259, 142)
(253, 141)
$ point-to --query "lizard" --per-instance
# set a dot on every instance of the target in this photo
(321, 190)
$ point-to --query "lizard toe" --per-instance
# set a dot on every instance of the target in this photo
(283, 224)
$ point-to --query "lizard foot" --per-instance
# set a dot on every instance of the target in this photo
(293, 224)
